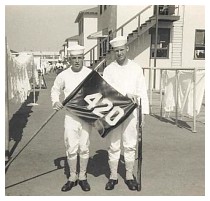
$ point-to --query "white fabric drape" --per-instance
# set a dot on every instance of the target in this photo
(186, 88)
(169, 97)
(18, 79)
(185, 91)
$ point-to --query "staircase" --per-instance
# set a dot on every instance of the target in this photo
(140, 30)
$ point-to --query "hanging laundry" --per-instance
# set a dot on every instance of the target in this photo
(17, 79)
(169, 95)
(186, 91)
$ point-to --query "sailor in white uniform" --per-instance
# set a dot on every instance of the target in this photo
(76, 134)
(127, 77)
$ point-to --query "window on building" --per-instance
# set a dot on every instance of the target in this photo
(101, 9)
(110, 38)
(199, 52)
(105, 7)
(163, 41)
(165, 9)
(105, 47)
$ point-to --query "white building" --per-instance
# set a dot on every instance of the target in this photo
(180, 40)
(87, 24)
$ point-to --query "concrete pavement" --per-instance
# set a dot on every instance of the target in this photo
(173, 157)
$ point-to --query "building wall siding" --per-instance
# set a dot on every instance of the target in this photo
(194, 18)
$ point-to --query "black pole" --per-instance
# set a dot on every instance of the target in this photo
(156, 40)
(7, 152)
(12, 158)
(139, 147)
(72, 94)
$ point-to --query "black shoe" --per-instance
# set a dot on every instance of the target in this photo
(111, 183)
(68, 186)
(132, 184)
(84, 185)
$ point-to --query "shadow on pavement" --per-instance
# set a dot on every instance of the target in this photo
(20, 118)
(171, 120)
(97, 165)
(163, 119)
(31, 178)
(182, 124)
(18, 122)
(62, 163)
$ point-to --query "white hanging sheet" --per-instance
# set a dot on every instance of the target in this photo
(185, 91)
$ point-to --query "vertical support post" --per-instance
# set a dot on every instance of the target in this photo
(34, 93)
(102, 49)
(93, 55)
(139, 23)
(7, 154)
(121, 31)
(150, 90)
(90, 57)
(139, 140)
(161, 94)
(39, 75)
(33, 78)
(156, 41)
(176, 98)
(194, 101)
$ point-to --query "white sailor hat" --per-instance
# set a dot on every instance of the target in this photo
(76, 50)
(118, 41)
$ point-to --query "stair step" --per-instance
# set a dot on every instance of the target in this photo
(176, 56)
(177, 41)
(176, 59)
(178, 29)
(178, 33)
(177, 45)
(175, 50)
(176, 62)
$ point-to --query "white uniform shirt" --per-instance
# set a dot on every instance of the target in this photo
(128, 79)
(67, 80)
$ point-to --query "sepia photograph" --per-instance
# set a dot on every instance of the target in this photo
(104, 100)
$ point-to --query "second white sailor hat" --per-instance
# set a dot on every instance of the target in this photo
(118, 41)
(76, 49)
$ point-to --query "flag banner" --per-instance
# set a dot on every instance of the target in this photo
(98, 103)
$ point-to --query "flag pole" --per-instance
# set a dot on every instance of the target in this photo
(6, 104)
(49, 118)
(12, 158)
(139, 111)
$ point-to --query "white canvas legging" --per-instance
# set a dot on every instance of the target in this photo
(76, 137)
(127, 131)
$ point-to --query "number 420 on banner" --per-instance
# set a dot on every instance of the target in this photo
(114, 113)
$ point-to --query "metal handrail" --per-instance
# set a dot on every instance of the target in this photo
(121, 27)
(174, 68)
(131, 19)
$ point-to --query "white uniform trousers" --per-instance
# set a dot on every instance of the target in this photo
(127, 131)
(76, 137)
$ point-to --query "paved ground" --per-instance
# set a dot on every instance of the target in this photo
(173, 157)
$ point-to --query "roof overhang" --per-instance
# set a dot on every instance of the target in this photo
(90, 12)
(99, 34)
